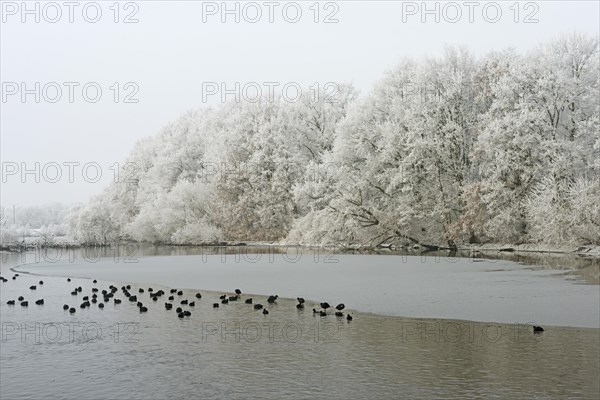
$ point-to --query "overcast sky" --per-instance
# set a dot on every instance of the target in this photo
(178, 47)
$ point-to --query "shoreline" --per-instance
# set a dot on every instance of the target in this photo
(586, 251)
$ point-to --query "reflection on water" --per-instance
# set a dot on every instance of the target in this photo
(237, 352)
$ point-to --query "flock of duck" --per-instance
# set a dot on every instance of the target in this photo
(100, 298)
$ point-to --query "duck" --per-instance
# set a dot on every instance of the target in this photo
(265, 311)
(66, 307)
(238, 291)
(140, 290)
(198, 296)
(117, 301)
(180, 315)
(132, 298)
(272, 299)
(168, 306)
(187, 313)
(183, 302)
(10, 302)
(349, 317)
(537, 329)
(41, 282)
(150, 290)
(100, 305)
(325, 305)
(248, 301)
(154, 298)
(339, 314)
(215, 305)
(39, 302)
(24, 303)
(258, 306)
(340, 307)
(171, 298)
(68, 279)
(72, 310)
(300, 306)
(322, 313)
(95, 281)
(21, 298)
(32, 287)
(233, 298)
(143, 309)
(180, 293)
(192, 304)
(178, 310)
(224, 301)
(300, 300)
(223, 297)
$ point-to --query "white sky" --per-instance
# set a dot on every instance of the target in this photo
(170, 52)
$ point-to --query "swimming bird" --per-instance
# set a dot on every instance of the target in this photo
(325, 305)
(272, 299)
(192, 304)
(128, 287)
(299, 306)
(154, 298)
(187, 313)
(258, 306)
(300, 300)
(41, 282)
(223, 297)
(340, 307)
(238, 291)
(224, 301)
(150, 289)
(180, 293)
(265, 311)
(322, 313)
(143, 309)
(85, 298)
(339, 314)
(248, 301)
(168, 306)
(538, 329)
(68, 279)
(66, 307)
(233, 298)
(183, 302)
(180, 315)
(72, 310)
(171, 298)
(173, 291)
(24, 303)
(215, 305)
(316, 311)
(139, 304)
(140, 290)
(10, 302)
(32, 287)
(39, 302)
(74, 293)
(133, 298)
(178, 309)
(349, 317)
(95, 281)
(100, 305)
(117, 301)
(198, 296)
(95, 290)
(21, 298)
